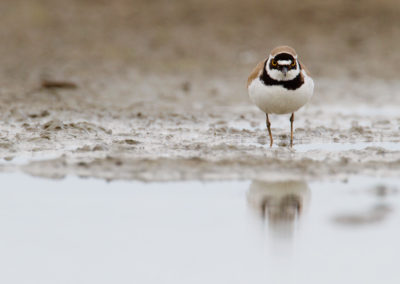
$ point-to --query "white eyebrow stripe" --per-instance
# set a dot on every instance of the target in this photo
(284, 62)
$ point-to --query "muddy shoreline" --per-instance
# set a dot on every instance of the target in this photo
(208, 143)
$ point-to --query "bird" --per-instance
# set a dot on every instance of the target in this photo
(280, 84)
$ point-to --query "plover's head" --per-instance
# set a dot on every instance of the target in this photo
(282, 64)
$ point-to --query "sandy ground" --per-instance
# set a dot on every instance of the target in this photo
(161, 89)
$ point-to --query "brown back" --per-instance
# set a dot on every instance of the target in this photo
(304, 68)
(256, 72)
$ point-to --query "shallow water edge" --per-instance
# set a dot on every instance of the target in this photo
(87, 230)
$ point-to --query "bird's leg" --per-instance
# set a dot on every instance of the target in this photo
(291, 130)
(269, 131)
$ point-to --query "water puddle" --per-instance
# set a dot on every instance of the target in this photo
(336, 147)
(332, 147)
(25, 159)
(89, 231)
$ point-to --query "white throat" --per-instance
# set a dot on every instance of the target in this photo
(280, 76)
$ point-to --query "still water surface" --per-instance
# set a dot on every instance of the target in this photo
(89, 231)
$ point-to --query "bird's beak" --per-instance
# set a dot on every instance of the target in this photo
(284, 70)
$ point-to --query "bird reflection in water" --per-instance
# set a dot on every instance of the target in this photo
(280, 203)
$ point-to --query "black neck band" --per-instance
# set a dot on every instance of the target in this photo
(290, 85)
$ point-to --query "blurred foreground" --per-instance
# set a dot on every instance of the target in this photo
(90, 231)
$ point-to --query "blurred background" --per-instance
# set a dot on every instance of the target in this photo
(87, 37)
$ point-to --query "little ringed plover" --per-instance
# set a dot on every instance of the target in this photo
(280, 84)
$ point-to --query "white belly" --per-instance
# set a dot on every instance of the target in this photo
(278, 100)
